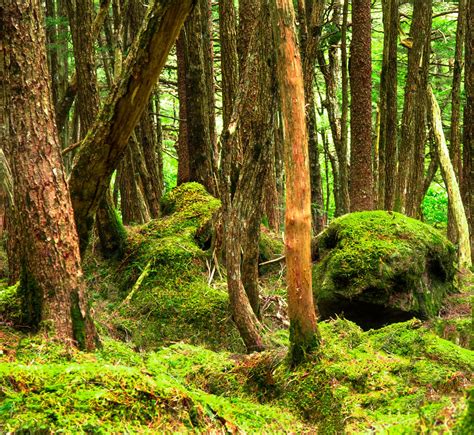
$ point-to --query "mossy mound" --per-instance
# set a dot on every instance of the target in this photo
(10, 306)
(116, 391)
(382, 267)
(174, 301)
(399, 379)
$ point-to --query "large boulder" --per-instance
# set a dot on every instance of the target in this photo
(379, 267)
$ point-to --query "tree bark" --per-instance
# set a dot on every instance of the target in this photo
(388, 108)
(310, 18)
(455, 136)
(361, 176)
(414, 109)
(454, 194)
(105, 145)
(468, 135)
(304, 336)
(52, 287)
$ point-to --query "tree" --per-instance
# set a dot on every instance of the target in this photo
(413, 128)
(454, 194)
(455, 134)
(304, 336)
(361, 176)
(197, 96)
(243, 169)
(388, 107)
(310, 18)
(106, 142)
(468, 136)
(52, 287)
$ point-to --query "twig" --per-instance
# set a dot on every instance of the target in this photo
(275, 260)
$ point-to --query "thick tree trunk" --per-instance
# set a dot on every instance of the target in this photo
(52, 286)
(454, 194)
(361, 177)
(414, 110)
(200, 129)
(303, 329)
(104, 147)
(388, 108)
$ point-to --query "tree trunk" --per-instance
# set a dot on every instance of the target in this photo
(412, 141)
(455, 137)
(104, 147)
(454, 194)
(468, 137)
(200, 131)
(304, 336)
(388, 108)
(229, 58)
(52, 286)
(361, 177)
(310, 18)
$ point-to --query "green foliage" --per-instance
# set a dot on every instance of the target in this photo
(435, 206)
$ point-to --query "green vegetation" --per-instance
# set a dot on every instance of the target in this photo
(172, 360)
(398, 379)
(174, 301)
(383, 260)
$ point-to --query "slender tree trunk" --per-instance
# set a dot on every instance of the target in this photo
(52, 287)
(455, 136)
(304, 336)
(310, 18)
(342, 153)
(454, 194)
(361, 177)
(388, 107)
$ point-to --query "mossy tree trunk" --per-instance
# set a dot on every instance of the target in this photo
(52, 285)
(454, 194)
(104, 146)
(361, 176)
(303, 329)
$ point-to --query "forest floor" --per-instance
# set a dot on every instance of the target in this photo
(172, 360)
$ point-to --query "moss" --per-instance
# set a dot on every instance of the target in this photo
(382, 260)
(174, 302)
(10, 304)
(98, 393)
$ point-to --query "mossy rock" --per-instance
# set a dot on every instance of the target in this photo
(174, 301)
(382, 267)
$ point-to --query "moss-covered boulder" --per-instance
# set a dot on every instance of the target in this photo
(380, 267)
(174, 300)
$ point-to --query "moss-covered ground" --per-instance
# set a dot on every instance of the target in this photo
(172, 361)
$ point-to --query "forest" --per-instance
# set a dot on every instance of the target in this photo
(237, 216)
